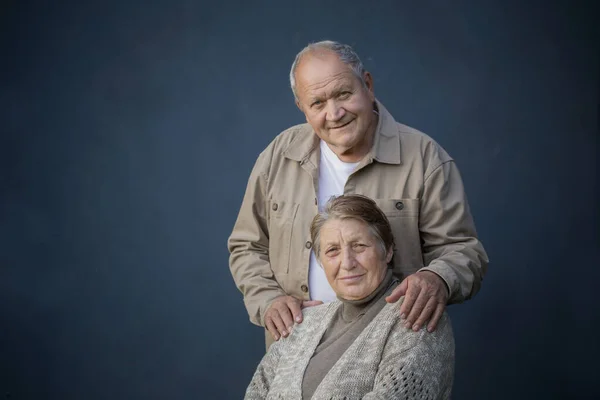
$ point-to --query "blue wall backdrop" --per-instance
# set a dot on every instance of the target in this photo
(127, 133)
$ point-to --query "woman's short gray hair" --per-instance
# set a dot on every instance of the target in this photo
(357, 207)
(346, 54)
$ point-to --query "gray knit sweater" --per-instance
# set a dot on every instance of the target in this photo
(386, 361)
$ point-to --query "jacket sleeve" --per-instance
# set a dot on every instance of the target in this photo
(265, 373)
(449, 240)
(416, 365)
(249, 246)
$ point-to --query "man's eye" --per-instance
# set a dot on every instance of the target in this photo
(344, 95)
(331, 251)
(316, 103)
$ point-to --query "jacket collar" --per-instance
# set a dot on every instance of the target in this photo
(386, 146)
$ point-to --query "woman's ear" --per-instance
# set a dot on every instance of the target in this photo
(389, 255)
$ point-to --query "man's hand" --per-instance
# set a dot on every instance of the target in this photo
(281, 314)
(425, 299)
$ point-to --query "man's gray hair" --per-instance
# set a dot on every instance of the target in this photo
(346, 54)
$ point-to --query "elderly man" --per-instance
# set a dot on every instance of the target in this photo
(351, 144)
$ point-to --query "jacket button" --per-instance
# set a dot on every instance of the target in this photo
(308, 244)
(399, 205)
(304, 288)
(274, 207)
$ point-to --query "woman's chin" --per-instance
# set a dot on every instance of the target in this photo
(353, 294)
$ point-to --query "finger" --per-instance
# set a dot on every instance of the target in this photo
(412, 292)
(426, 313)
(439, 311)
(311, 303)
(417, 308)
(296, 312)
(398, 292)
(276, 317)
(271, 328)
(286, 317)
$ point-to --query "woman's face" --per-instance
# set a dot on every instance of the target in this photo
(351, 258)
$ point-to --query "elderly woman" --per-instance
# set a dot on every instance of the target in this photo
(356, 347)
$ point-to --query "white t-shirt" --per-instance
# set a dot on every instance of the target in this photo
(333, 175)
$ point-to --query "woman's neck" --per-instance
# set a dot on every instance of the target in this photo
(351, 309)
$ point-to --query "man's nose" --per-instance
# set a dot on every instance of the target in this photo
(334, 111)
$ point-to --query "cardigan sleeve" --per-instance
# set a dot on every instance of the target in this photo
(421, 367)
(265, 373)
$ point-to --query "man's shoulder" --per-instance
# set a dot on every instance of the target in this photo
(289, 133)
(415, 141)
(293, 143)
(290, 137)
(414, 135)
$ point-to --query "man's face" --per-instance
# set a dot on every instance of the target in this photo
(336, 104)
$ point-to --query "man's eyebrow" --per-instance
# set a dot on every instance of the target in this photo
(335, 91)
(341, 88)
(344, 87)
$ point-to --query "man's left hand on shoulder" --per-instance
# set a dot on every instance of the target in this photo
(425, 297)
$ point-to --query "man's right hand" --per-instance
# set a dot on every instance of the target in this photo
(283, 311)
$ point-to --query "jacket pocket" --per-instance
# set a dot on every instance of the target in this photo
(403, 215)
(281, 223)
(404, 208)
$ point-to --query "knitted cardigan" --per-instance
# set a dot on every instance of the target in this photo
(386, 361)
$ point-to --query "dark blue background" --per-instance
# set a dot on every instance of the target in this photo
(128, 131)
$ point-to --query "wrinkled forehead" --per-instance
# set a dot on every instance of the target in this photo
(323, 72)
(344, 228)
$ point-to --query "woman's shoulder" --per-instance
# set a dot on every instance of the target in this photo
(320, 310)
(313, 317)
(393, 311)
(317, 314)
(442, 334)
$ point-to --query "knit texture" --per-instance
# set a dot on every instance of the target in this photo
(349, 320)
(386, 361)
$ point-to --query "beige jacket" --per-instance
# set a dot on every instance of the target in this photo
(412, 179)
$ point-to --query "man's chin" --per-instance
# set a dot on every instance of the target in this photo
(346, 149)
(344, 141)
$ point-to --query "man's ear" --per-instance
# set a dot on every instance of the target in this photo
(368, 78)
(301, 110)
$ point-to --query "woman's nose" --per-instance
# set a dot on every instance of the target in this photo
(348, 260)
